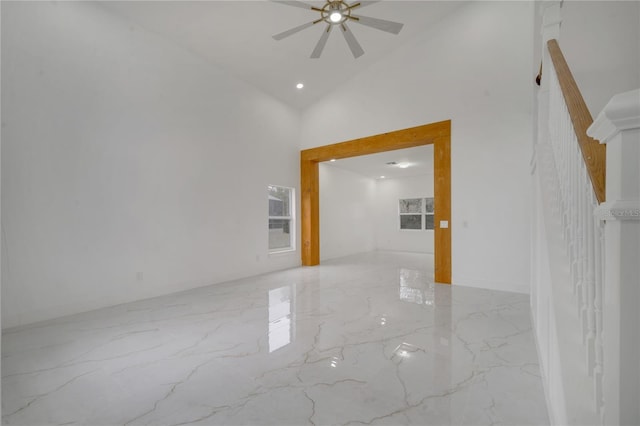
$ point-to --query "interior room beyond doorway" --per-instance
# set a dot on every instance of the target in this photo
(382, 201)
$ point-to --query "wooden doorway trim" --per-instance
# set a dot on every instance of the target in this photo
(438, 134)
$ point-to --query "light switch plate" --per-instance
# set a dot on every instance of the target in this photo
(444, 224)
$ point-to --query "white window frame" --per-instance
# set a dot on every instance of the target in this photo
(290, 218)
(423, 214)
(420, 213)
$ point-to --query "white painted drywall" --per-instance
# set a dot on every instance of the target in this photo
(0, 229)
(346, 212)
(601, 43)
(475, 67)
(360, 214)
(130, 167)
(388, 234)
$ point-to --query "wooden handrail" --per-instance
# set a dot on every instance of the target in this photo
(593, 153)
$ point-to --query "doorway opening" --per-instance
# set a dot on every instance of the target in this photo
(437, 134)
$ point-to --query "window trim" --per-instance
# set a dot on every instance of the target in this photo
(290, 218)
(423, 214)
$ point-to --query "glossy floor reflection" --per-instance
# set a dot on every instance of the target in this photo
(367, 339)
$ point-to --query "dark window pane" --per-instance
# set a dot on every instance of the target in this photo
(279, 201)
(276, 207)
(410, 221)
(428, 205)
(411, 205)
(428, 220)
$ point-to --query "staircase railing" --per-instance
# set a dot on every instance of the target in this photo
(593, 153)
(585, 294)
(580, 167)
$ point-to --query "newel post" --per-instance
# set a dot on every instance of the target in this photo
(618, 126)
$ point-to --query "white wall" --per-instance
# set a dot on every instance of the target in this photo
(388, 234)
(0, 230)
(359, 214)
(601, 43)
(346, 212)
(475, 68)
(124, 154)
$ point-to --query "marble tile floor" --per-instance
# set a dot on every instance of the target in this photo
(366, 339)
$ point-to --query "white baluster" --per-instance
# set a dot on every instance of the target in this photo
(585, 295)
(597, 305)
(590, 277)
(575, 266)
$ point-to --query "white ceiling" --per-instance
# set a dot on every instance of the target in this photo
(419, 159)
(236, 36)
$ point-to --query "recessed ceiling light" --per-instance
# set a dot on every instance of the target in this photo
(381, 177)
(299, 86)
(332, 160)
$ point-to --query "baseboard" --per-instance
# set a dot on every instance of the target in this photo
(523, 288)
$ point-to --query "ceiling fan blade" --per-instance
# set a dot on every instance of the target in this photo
(355, 47)
(292, 31)
(362, 4)
(295, 3)
(378, 24)
(321, 43)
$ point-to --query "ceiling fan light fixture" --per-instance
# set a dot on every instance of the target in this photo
(335, 12)
(335, 17)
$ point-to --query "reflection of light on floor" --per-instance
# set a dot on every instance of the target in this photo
(334, 361)
(281, 317)
(416, 288)
(383, 321)
(405, 350)
(410, 294)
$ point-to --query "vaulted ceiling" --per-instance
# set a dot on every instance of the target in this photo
(237, 36)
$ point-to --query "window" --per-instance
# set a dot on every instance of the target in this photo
(416, 213)
(281, 225)
(429, 211)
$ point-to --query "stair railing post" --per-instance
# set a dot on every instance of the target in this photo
(618, 126)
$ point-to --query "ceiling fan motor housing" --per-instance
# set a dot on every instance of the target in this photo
(335, 12)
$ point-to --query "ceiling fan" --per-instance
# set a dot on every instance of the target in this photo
(336, 13)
